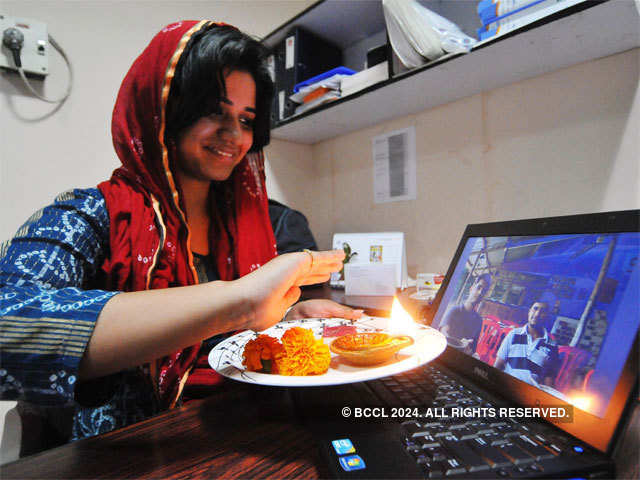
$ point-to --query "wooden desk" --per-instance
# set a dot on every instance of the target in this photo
(245, 431)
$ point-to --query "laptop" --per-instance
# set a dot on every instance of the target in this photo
(539, 375)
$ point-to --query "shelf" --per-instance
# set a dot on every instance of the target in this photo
(585, 32)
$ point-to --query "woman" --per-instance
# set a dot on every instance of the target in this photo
(187, 209)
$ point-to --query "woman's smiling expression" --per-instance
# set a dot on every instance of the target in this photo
(211, 147)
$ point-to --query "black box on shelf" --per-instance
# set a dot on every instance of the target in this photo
(300, 56)
(378, 55)
(276, 66)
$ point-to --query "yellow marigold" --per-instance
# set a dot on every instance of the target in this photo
(303, 354)
(259, 354)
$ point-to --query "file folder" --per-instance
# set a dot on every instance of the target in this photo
(300, 56)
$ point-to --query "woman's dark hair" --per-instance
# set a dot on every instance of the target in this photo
(198, 83)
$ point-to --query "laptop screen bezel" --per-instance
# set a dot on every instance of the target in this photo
(596, 431)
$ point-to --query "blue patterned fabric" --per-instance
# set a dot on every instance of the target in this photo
(50, 299)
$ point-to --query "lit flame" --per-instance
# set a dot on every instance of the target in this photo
(583, 402)
(401, 322)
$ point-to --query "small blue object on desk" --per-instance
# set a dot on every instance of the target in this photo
(322, 76)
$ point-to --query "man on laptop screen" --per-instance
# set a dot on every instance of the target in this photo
(528, 353)
(462, 323)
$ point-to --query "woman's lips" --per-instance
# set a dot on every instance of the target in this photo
(222, 152)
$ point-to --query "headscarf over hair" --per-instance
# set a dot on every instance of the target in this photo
(149, 237)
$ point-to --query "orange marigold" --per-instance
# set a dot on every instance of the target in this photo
(259, 354)
(303, 354)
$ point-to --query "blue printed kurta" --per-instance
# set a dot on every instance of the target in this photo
(50, 299)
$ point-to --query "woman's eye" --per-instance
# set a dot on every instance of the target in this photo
(247, 122)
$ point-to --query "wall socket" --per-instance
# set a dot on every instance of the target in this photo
(35, 51)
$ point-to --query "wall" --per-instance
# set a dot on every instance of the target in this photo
(562, 143)
(295, 178)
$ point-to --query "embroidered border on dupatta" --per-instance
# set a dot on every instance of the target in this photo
(166, 87)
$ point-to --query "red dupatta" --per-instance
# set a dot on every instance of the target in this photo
(149, 236)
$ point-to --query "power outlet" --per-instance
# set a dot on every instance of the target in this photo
(35, 51)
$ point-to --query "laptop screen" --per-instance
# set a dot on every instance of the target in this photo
(559, 312)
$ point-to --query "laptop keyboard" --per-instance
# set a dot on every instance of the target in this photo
(445, 446)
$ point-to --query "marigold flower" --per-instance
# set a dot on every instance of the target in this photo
(303, 354)
(259, 354)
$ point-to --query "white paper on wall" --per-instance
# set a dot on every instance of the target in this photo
(394, 166)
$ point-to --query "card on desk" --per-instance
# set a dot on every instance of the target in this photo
(370, 279)
(373, 249)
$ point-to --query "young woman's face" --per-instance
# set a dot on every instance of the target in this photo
(211, 148)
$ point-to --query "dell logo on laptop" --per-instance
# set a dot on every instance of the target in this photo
(481, 373)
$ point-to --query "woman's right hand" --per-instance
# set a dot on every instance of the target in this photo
(273, 288)
(169, 319)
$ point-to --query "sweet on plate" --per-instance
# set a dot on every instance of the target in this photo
(300, 353)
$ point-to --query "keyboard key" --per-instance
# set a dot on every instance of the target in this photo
(532, 447)
(454, 468)
(409, 443)
(499, 442)
(436, 453)
(490, 437)
(425, 441)
(535, 468)
(411, 427)
(415, 451)
(467, 456)
(516, 454)
(434, 469)
(555, 448)
(463, 433)
(431, 424)
(542, 439)
(491, 454)
(505, 429)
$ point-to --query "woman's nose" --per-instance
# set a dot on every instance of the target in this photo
(230, 127)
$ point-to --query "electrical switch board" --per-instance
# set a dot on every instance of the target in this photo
(31, 43)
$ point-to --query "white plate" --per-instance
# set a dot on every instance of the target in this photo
(424, 295)
(226, 357)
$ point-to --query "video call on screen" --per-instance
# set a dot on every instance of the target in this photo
(577, 293)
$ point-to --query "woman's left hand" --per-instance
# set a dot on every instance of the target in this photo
(320, 308)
